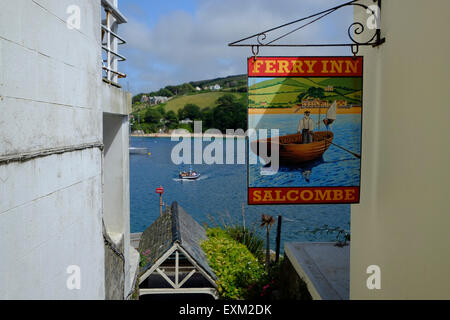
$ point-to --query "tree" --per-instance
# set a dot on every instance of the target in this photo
(208, 118)
(161, 110)
(301, 96)
(267, 221)
(172, 119)
(152, 116)
(226, 100)
(230, 113)
(316, 92)
(137, 98)
(191, 111)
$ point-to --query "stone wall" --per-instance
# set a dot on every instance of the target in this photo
(293, 287)
(114, 268)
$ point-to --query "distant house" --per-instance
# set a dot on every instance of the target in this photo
(186, 121)
(144, 99)
(158, 99)
(198, 88)
(214, 87)
(329, 89)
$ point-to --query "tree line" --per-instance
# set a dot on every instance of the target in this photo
(230, 113)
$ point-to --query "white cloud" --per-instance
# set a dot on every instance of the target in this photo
(182, 47)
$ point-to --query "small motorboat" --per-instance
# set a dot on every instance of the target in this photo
(189, 175)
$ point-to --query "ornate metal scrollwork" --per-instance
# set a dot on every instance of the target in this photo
(354, 31)
(260, 38)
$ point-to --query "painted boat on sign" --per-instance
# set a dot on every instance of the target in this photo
(292, 150)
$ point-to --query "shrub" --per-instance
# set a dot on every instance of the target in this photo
(248, 238)
(236, 268)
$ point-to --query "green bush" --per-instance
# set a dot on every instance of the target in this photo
(248, 238)
(186, 126)
(236, 268)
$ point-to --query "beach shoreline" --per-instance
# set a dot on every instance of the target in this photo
(187, 135)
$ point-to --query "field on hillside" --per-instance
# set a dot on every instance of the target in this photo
(202, 100)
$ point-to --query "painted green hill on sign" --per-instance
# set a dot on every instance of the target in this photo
(287, 92)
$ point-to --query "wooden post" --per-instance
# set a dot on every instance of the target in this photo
(160, 191)
(278, 240)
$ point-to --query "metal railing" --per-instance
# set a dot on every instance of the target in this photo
(110, 42)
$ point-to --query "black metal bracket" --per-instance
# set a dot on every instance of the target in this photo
(355, 29)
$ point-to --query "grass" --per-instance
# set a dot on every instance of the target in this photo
(203, 100)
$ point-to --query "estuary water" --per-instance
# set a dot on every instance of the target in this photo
(220, 192)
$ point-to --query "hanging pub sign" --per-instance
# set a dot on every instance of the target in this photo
(304, 120)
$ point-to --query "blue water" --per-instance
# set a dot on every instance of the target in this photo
(220, 192)
(336, 167)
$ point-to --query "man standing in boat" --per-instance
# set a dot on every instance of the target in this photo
(306, 126)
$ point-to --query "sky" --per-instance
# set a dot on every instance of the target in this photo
(175, 41)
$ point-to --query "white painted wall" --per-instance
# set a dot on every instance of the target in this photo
(403, 219)
(116, 195)
(52, 96)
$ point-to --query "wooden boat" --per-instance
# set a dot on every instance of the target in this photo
(291, 149)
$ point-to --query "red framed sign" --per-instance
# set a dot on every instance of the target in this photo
(306, 117)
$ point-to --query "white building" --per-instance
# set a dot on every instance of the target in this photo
(214, 87)
(64, 177)
(158, 99)
(402, 222)
(186, 121)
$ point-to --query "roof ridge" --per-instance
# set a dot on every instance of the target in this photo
(176, 234)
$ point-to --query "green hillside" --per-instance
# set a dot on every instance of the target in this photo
(225, 82)
(221, 109)
(203, 100)
(236, 83)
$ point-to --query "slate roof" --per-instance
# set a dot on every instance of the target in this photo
(174, 226)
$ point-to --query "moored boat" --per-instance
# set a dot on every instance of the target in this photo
(291, 149)
(134, 150)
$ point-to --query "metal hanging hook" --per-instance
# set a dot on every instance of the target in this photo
(255, 52)
(355, 49)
